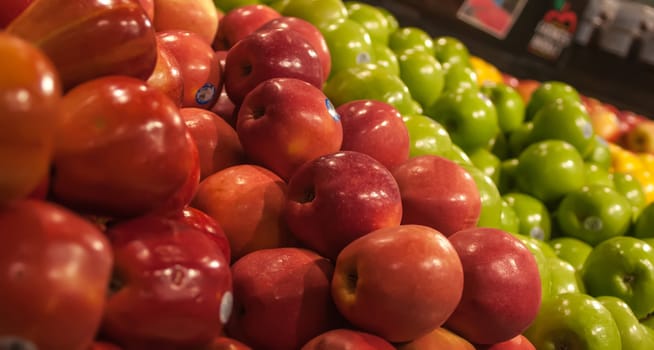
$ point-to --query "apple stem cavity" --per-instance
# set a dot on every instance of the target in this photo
(246, 70)
(14, 343)
(352, 280)
(115, 284)
(309, 196)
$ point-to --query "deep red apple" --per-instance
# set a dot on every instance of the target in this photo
(309, 32)
(103, 37)
(398, 282)
(604, 121)
(519, 342)
(30, 97)
(100, 168)
(217, 142)
(199, 67)
(247, 201)
(54, 270)
(226, 343)
(148, 6)
(101, 345)
(375, 128)
(241, 21)
(171, 288)
(437, 192)
(281, 298)
(339, 197)
(10, 9)
(439, 338)
(343, 338)
(502, 291)
(167, 75)
(224, 107)
(197, 16)
(274, 53)
(201, 221)
(285, 122)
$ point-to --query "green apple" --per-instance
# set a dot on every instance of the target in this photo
(593, 214)
(622, 267)
(563, 119)
(572, 250)
(598, 175)
(509, 105)
(384, 57)
(565, 278)
(369, 81)
(468, 116)
(491, 201)
(632, 189)
(549, 169)
(549, 91)
(459, 76)
(426, 136)
(458, 155)
(451, 50)
(574, 321)
(320, 13)
(422, 74)
(517, 139)
(410, 38)
(509, 221)
(542, 256)
(634, 336)
(371, 18)
(500, 146)
(393, 24)
(644, 225)
(599, 152)
(533, 216)
(228, 5)
(349, 45)
(487, 162)
(506, 181)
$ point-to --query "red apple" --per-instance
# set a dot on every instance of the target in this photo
(205, 223)
(167, 75)
(525, 88)
(438, 193)
(640, 138)
(519, 342)
(224, 107)
(171, 289)
(217, 142)
(247, 201)
(54, 270)
(281, 298)
(343, 338)
(398, 282)
(275, 53)
(375, 128)
(285, 122)
(604, 121)
(241, 21)
(10, 9)
(101, 345)
(502, 291)
(199, 67)
(439, 338)
(510, 80)
(226, 343)
(309, 32)
(30, 97)
(121, 149)
(339, 197)
(86, 42)
(148, 6)
(197, 16)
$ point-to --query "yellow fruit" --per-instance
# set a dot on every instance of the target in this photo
(486, 72)
(625, 161)
(646, 179)
(648, 161)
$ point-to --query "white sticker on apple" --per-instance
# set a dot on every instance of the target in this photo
(205, 94)
(226, 305)
(537, 233)
(332, 110)
(363, 58)
(587, 130)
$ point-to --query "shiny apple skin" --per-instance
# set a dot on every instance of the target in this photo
(10, 9)
(201, 72)
(167, 75)
(205, 223)
(121, 149)
(375, 128)
(240, 22)
(270, 54)
(227, 343)
(197, 16)
(171, 286)
(30, 97)
(337, 198)
(55, 267)
(438, 193)
(90, 39)
(343, 338)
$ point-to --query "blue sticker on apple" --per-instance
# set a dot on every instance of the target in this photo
(332, 110)
(205, 94)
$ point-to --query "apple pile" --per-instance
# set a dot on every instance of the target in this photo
(304, 174)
